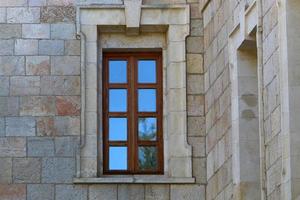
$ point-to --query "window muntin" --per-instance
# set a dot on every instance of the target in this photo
(132, 101)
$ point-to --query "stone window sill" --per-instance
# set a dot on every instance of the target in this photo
(135, 180)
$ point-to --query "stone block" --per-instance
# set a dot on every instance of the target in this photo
(65, 125)
(195, 105)
(37, 105)
(40, 192)
(37, 65)
(26, 47)
(26, 170)
(66, 146)
(36, 31)
(72, 47)
(12, 191)
(190, 192)
(23, 15)
(20, 126)
(51, 47)
(5, 170)
(194, 63)
(60, 85)
(24, 85)
(195, 84)
(194, 44)
(58, 14)
(40, 146)
(199, 170)
(58, 170)
(37, 2)
(198, 146)
(2, 15)
(45, 126)
(7, 3)
(68, 105)
(71, 192)
(9, 106)
(6, 47)
(13, 147)
(196, 27)
(12, 65)
(196, 126)
(65, 65)
(157, 192)
(9, 31)
(131, 192)
(4, 86)
(103, 192)
(61, 2)
(68, 32)
(2, 127)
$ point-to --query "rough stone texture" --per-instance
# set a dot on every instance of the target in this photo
(58, 14)
(5, 170)
(103, 192)
(12, 65)
(37, 105)
(70, 192)
(40, 192)
(66, 146)
(26, 47)
(58, 170)
(131, 192)
(157, 192)
(68, 33)
(8, 31)
(40, 147)
(37, 65)
(23, 15)
(67, 125)
(72, 47)
(51, 47)
(60, 85)
(68, 105)
(6, 47)
(26, 170)
(9, 106)
(65, 65)
(179, 192)
(36, 31)
(12, 147)
(2, 127)
(20, 126)
(4, 86)
(26, 85)
(13, 192)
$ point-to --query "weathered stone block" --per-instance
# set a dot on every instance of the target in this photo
(58, 170)
(194, 44)
(12, 65)
(157, 192)
(26, 170)
(51, 47)
(67, 125)
(37, 105)
(20, 126)
(12, 147)
(2, 127)
(195, 105)
(194, 63)
(40, 146)
(4, 86)
(9, 106)
(36, 31)
(24, 85)
(9, 31)
(72, 47)
(190, 192)
(66, 146)
(67, 33)
(71, 192)
(58, 14)
(199, 170)
(61, 2)
(195, 84)
(37, 2)
(103, 192)
(131, 192)
(12, 191)
(6, 47)
(37, 65)
(40, 192)
(26, 47)
(5, 170)
(45, 126)
(65, 65)
(196, 126)
(198, 146)
(60, 85)
(7, 3)
(2, 15)
(196, 27)
(23, 15)
(68, 105)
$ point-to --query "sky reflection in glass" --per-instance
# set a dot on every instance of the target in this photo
(117, 129)
(117, 158)
(147, 128)
(117, 100)
(117, 71)
(147, 71)
(147, 158)
(147, 100)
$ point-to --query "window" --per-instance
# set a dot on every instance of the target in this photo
(132, 113)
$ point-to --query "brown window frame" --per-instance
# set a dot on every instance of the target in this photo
(132, 113)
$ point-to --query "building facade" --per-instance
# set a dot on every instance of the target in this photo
(226, 83)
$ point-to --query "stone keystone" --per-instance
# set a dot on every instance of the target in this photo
(133, 16)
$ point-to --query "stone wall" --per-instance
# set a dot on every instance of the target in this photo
(40, 106)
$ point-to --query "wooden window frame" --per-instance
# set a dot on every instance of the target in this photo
(132, 113)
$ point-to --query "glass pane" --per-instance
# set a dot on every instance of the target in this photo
(117, 100)
(117, 129)
(117, 158)
(147, 158)
(147, 128)
(147, 71)
(147, 100)
(117, 71)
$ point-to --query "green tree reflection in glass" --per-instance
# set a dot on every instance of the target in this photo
(147, 158)
(147, 128)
